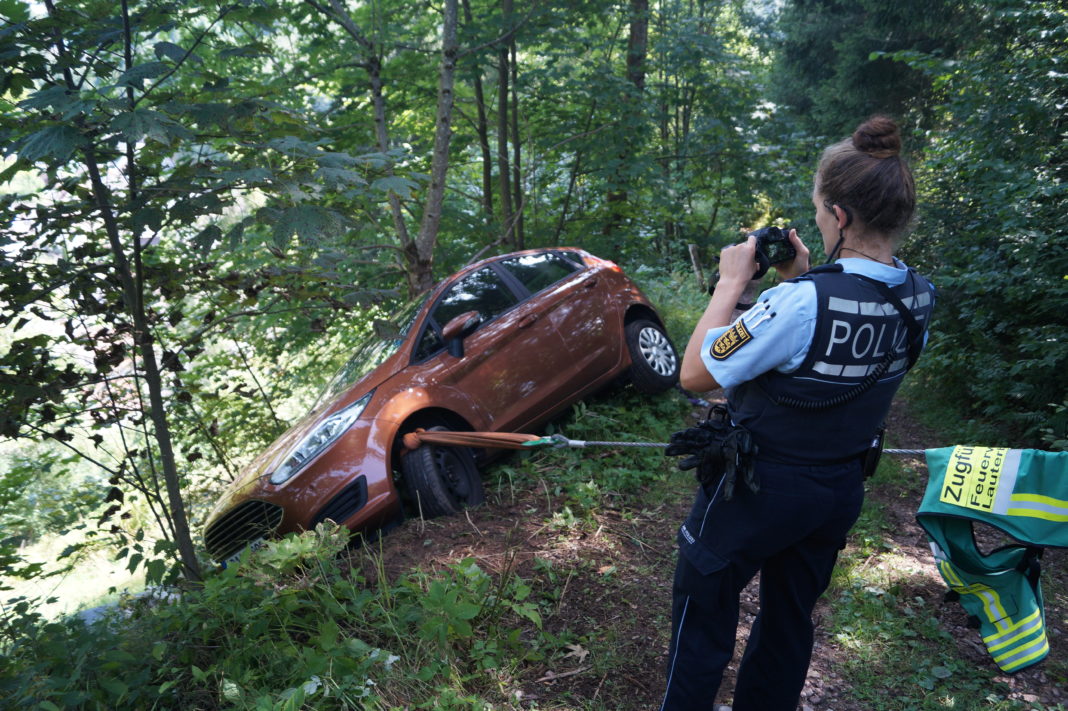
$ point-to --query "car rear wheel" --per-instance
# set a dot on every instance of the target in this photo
(654, 362)
(442, 479)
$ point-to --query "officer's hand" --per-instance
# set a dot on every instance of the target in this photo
(738, 261)
(800, 264)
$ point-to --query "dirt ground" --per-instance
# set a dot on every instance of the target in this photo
(608, 588)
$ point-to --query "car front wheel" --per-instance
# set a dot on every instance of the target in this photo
(654, 362)
(442, 479)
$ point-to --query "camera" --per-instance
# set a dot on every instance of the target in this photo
(773, 247)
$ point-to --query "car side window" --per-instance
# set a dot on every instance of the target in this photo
(483, 291)
(540, 271)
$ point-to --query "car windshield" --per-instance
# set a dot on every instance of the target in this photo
(374, 350)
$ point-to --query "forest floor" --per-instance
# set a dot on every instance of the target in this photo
(603, 582)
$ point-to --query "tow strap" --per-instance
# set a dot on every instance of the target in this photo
(508, 440)
(519, 440)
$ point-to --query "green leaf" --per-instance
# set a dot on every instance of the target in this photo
(207, 238)
(396, 184)
(114, 687)
(135, 76)
(58, 99)
(465, 610)
(145, 123)
(173, 52)
(233, 237)
(328, 632)
(251, 175)
(154, 571)
(334, 177)
(308, 222)
(231, 691)
(150, 218)
(14, 11)
(941, 672)
(293, 146)
(58, 142)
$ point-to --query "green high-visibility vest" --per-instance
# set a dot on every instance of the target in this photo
(1023, 492)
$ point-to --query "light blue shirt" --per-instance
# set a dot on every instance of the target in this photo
(782, 324)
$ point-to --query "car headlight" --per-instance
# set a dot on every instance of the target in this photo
(321, 437)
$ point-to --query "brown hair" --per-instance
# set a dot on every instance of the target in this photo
(866, 175)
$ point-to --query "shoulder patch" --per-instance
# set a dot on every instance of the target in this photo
(732, 339)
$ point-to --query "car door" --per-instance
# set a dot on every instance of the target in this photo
(575, 302)
(508, 359)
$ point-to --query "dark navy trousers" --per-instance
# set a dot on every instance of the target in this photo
(791, 532)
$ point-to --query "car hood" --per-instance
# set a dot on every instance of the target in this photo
(255, 474)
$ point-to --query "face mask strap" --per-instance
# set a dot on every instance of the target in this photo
(837, 246)
(841, 230)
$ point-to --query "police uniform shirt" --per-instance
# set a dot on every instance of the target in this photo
(777, 332)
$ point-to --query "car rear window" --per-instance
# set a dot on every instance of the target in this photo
(540, 271)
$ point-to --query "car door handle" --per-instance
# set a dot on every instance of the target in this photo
(528, 320)
(589, 283)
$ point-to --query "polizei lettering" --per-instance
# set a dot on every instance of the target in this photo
(868, 340)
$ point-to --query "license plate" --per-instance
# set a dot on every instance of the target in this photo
(252, 546)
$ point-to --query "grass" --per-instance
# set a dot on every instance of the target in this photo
(897, 652)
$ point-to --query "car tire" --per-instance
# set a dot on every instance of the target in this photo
(442, 479)
(654, 361)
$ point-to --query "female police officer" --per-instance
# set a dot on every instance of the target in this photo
(810, 371)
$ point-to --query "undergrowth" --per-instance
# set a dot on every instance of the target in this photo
(291, 627)
(896, 654)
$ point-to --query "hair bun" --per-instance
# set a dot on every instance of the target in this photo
(879, 137)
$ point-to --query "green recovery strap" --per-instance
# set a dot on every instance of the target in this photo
(1023, 492)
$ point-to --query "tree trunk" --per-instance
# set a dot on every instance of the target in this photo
(134, 298)
(507, 220)
(373, 65)
(428, 230)
(517, 183)
(482, 128)
(637, 43)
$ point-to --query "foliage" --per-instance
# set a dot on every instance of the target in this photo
(289, 626)
(207, 188)
(992, 234)
(897, 652)
(149, 166)
(831, 79)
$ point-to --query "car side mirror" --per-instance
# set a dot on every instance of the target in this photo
(458, 328)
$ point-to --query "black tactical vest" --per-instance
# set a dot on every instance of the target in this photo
(855, 329)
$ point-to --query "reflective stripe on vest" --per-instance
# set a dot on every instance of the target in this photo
(855, 330)
(1022, 492)
(1014, 641)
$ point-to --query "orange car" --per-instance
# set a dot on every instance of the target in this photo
(500, 346)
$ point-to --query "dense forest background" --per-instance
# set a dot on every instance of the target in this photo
(204, 205)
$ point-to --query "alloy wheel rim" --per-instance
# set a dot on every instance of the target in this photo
(656, 350)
